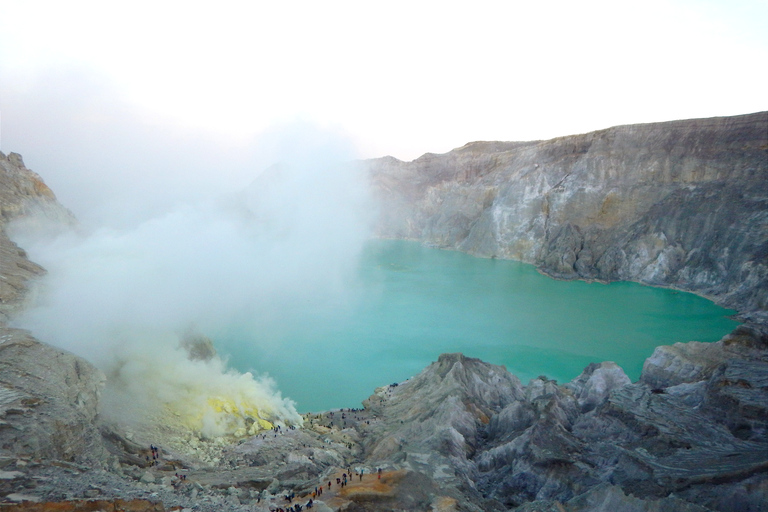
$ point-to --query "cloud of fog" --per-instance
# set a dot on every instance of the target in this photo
(114, 164)
(121, 296)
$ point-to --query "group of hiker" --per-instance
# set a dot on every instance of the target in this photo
(342, 481)
(296, 507)
(155, 455)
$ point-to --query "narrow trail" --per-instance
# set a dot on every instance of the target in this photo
(369, 487)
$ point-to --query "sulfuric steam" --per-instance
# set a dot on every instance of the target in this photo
(125, 298)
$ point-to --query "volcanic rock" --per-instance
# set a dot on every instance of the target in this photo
(681, 204)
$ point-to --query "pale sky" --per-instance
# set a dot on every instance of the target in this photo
(399, 78)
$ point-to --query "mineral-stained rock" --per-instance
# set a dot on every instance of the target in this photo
(681, 204)
(23, 198)
(16, 270)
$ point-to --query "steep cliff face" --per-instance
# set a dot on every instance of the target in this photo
(48, 401)
(681, 204)
(23, 197)
(48, 397)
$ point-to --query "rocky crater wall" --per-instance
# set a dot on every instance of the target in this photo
(48, 397)
(24, 197)
(681, 204)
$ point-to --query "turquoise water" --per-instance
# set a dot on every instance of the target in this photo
(410, 303)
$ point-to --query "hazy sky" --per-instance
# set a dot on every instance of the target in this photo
(90, 91)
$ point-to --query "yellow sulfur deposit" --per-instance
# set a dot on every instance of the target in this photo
(244, 411)
(202, 395)
(220, 416)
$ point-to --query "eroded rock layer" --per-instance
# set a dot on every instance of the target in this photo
(24, 197)
(681, 204)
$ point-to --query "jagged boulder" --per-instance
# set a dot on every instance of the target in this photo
(48, 401)
(24, 197)
(693, 361)
(595, 383)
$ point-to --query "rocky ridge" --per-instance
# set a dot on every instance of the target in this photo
(681, 204)
(48, 397)
(24, 197)
(463, 435)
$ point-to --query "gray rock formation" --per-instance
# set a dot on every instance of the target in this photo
(24, 197)
(464, 435)
(48, 397)
(681, 204)
(48, 401)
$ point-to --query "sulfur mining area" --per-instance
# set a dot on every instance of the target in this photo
(682, 204)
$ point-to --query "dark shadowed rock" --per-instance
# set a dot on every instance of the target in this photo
(611, 498)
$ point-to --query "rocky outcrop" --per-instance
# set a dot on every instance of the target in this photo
(676, 440)
(48, 397)
(48, 401)
(704, 440)
(24, 197)
(464, 435)
(682, 204)
(432, 423)
(654, 203)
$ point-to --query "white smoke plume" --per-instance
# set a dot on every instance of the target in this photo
(124, 297)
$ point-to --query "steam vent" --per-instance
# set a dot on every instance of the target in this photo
(149, 419)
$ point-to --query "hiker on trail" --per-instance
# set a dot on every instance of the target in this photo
(361, 474)
(379, 473)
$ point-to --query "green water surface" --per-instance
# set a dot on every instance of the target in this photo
(409, 303)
